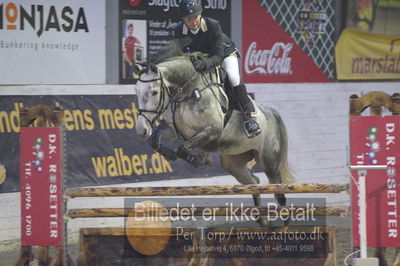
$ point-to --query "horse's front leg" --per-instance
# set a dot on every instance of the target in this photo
(162, 131)
(201, 138)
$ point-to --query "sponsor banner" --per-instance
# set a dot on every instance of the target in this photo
(362, 55)
(283, 51)
(374, 141)
(143, 32)
(41, 41)
(41, 186)
(101, 143)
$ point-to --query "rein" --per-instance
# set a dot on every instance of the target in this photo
(161, 107)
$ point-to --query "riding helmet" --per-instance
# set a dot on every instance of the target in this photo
(190, 8)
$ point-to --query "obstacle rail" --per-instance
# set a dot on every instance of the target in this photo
(89, 237)
(264, 211)
(206, 190)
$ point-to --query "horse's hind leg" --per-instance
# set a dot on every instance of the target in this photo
(271, 169)
(236, 165)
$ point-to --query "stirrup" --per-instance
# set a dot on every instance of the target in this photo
(248, 122)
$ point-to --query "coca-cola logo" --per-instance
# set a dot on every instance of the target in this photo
(267, 62)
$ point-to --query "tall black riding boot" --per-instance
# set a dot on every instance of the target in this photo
(247, 107)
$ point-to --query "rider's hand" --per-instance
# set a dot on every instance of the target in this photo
(200, 65)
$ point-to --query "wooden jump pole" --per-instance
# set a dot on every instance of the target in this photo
(220, 211)
(206, 190)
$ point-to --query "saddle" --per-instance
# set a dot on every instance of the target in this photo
(218, 76)
(229, 103)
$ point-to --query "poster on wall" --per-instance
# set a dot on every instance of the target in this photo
(52, 42)
(294, 44)
(374, 142)
(41, 186)
(146, 27)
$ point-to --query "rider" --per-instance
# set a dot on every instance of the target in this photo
(207, 37)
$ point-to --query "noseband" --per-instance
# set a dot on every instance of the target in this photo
(161, 107)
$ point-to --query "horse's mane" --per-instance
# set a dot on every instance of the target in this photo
(173, 49)
(179, 69)
(179, 65)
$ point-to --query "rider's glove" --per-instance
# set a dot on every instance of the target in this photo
(200, 65)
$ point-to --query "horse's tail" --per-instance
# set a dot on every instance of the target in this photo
(284, 169)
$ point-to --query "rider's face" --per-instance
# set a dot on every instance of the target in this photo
(193, 22)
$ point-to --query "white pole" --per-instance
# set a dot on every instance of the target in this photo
(368, 167)
(362, 174)
(362, 203)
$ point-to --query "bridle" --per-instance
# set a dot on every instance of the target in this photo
(161, 107)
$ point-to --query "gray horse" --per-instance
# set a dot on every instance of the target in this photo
(192, 107)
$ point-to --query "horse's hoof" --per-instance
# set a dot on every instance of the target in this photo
(154, 142)
(204, 158)
(169, 157)
(168, 154)
(194, 160)
(186, 155)
(183, 153)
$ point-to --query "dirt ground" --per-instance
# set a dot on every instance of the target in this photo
(344, 239)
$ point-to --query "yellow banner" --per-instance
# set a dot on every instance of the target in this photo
(362, 55)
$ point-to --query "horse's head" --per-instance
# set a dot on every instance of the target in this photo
(155, 87)
(151, 99)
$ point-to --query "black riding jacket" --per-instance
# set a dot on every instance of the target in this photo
(209, 39)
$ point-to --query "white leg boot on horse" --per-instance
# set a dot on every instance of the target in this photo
(247, 108)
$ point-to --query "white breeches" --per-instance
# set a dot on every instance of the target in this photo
(231, 66)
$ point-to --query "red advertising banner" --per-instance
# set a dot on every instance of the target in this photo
(375, 141)
(41, 186)
(270, 54)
